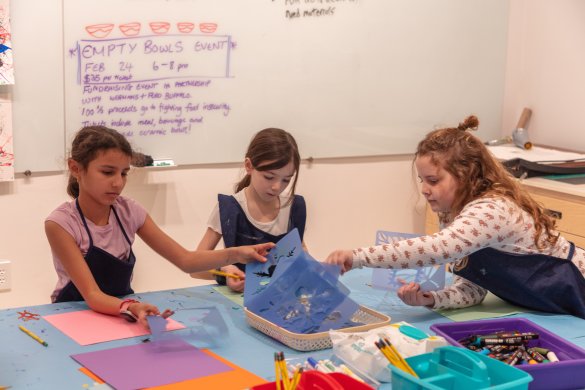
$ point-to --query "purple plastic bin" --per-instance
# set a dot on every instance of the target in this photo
(568, 373)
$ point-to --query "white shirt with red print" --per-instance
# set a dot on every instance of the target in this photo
(495, 222)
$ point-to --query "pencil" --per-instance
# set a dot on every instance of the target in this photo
(226, 274)
(34, 336)
(277, 371)
(393, 358)
(284, 372)
(400, 358)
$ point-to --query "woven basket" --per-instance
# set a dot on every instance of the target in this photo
(315, 341)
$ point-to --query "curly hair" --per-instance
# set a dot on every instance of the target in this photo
(468, 160)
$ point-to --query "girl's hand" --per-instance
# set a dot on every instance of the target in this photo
(142, 309)
(233, 283)
(250, 253)
(410, 294)
(343, 258)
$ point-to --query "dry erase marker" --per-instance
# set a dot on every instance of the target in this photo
(34, 336)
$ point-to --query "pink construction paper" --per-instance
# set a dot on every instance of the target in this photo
(89, 327)
(150, 364)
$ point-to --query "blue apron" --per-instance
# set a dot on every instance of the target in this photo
(237, 230)
(537, 282)
(111, 274)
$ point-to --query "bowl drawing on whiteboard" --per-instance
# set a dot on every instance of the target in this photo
(99, 30)
(130, 29)
(185, 27)
(207, 27)
(160, 27)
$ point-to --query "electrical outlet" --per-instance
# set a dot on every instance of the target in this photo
(5, 277)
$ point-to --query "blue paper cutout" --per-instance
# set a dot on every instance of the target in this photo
(258, 275)
(306, 297)
(429, 278)
(157, 325)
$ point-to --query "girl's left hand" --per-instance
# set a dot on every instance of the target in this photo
(411, 294)
(250, 253)
(234, 284)
(141, 310)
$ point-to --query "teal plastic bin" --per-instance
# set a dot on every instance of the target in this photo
(458, 368)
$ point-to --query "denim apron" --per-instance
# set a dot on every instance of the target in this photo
(111, 274)
(535, 281)
(237, 230)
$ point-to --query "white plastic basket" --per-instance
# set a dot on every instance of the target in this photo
(315, 341)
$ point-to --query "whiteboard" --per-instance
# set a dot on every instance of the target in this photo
(38, 117)
(193, 80)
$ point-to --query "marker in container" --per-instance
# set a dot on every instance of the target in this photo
(318, 366)
(536, 355)
(514, 358)
(481, 340)
(329, 365)
(551, 356)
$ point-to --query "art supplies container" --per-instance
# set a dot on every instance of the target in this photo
(337, 362)
(568, 373)
(313, 380)
(457, 368)
(314, 341)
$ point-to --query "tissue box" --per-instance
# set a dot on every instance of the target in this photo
(568, 373)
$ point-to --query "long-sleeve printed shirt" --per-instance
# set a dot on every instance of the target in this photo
(495, 222)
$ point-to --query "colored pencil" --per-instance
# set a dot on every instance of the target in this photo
(226, 274)
(34, 336)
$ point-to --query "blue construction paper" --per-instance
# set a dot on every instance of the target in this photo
(259, 275)
(157, 325)
(429, 278)
(206, 327)
(305, 299)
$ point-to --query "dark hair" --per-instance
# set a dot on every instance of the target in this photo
(479, 173)
(272, 149)
(88, 142)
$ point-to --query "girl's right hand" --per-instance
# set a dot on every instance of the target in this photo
(342, 258)
(249, 253)
(233, 283)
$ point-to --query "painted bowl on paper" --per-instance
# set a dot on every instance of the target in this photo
(130, 29)
(100, 30)
(185, 27)
(207, 27)
(160, 27)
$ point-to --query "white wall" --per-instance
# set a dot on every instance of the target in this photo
(347, 201)
(546, 71)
